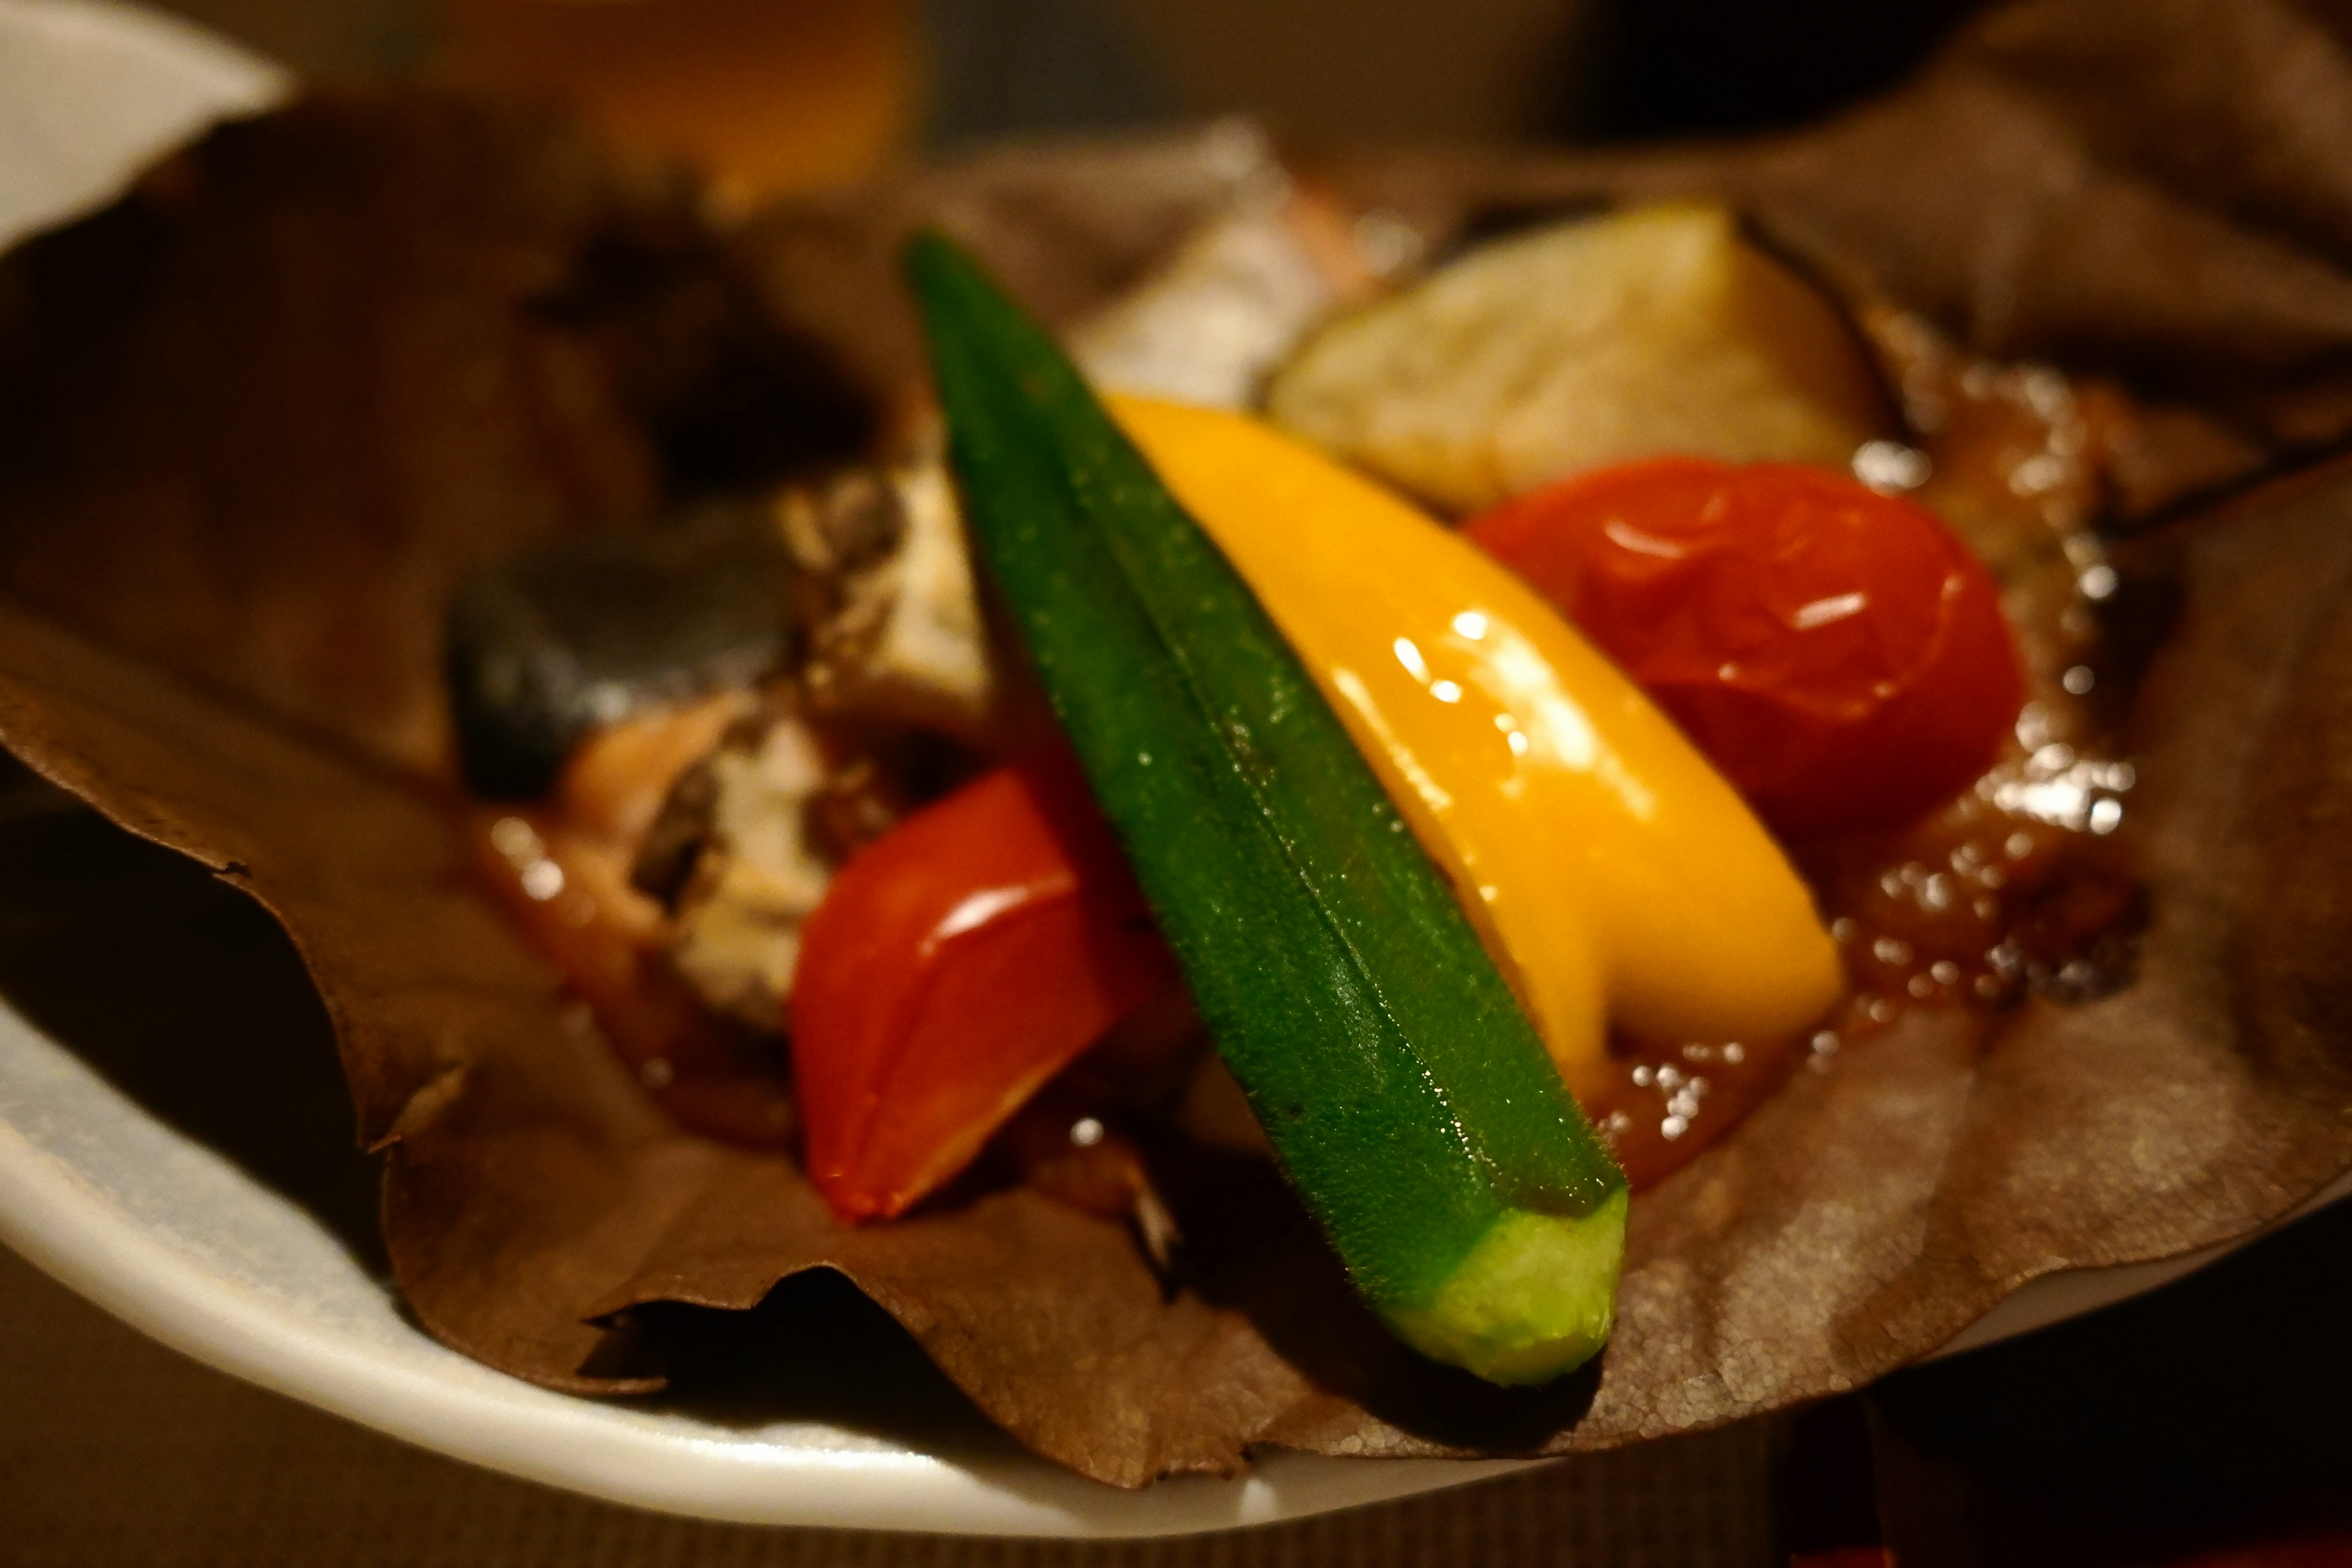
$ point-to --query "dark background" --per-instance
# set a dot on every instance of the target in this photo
(1357, 70)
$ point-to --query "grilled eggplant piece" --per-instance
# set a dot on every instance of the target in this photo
(591, 630)
(1654, 330)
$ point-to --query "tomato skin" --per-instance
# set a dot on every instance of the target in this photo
(1836, 652)
(955, 965)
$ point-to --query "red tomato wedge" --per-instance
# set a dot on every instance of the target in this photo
(956, 964)
(1836, 652)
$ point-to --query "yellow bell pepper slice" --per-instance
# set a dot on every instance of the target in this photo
(1612, 872)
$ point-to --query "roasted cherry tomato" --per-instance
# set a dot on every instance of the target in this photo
(956, 964)
(1838, 654)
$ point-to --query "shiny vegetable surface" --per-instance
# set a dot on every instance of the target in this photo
(1408, 1098)
(1835, 652)
(1618, 875)
(955, 965)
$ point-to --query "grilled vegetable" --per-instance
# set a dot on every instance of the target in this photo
(1836, 652)
(1655, 330)
(955, 965)
(1619, 878)
(1408, 1098)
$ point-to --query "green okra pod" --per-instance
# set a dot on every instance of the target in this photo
(1409, 1099)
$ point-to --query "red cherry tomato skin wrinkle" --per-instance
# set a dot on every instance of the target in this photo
(955, 965)
(1836, 652)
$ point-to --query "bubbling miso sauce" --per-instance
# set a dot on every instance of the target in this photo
(2022, 883)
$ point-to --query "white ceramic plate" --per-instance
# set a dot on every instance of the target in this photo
(188, 1246)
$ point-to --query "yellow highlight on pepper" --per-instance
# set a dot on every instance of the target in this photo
(1612, 870)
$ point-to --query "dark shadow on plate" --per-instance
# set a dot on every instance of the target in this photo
(816, 1350)
(1250, 1247)
(183, 994)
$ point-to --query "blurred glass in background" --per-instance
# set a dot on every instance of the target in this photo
(769, 94)
(783, 94)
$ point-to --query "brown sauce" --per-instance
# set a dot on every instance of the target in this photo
(2022, 883)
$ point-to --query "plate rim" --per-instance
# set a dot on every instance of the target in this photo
(55, 1214)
